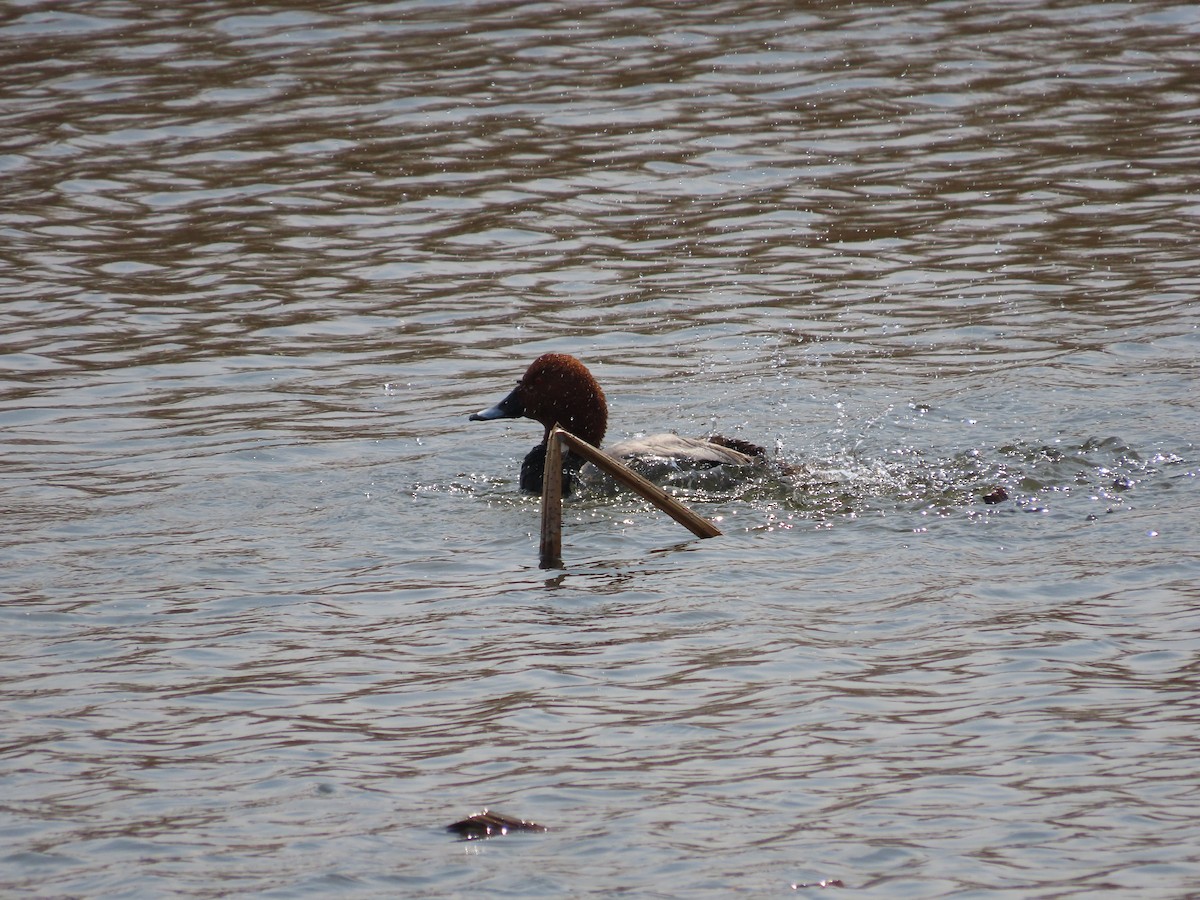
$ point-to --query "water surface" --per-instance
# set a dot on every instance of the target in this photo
(271, 606)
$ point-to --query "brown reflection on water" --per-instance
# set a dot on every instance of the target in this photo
(406, 159)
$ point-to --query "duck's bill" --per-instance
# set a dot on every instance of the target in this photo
(510, 407)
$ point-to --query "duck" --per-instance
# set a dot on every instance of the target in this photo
(558, 389)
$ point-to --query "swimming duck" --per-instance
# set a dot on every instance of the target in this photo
(558, 389)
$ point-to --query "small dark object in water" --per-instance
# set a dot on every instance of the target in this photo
(488, 824)
(999, 495)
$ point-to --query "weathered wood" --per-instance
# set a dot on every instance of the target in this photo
(550, 553)
(697, 525)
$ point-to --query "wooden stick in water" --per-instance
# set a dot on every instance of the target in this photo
(550, 554)
(697, 525)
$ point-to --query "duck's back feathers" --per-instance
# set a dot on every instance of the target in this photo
(678, 460)
(684, 451)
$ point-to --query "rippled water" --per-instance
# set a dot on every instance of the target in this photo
(271, 608)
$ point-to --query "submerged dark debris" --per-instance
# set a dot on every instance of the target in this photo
(488, 824)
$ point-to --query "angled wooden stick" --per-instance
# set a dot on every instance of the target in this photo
(550, 552)
(697, 525)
